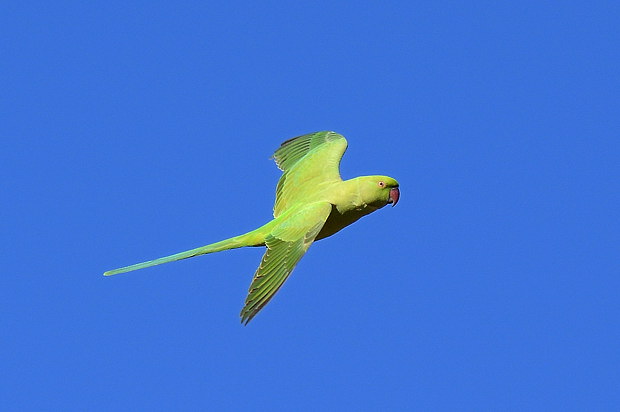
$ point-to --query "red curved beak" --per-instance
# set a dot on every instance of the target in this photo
(394, 196)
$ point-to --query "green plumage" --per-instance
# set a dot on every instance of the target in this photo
(312, 202)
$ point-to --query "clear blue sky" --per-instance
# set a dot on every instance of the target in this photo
(135, 130)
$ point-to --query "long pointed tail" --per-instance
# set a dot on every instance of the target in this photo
(248, 239)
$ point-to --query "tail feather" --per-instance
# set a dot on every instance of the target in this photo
(232, 243)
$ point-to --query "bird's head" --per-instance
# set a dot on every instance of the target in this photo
(379, 191)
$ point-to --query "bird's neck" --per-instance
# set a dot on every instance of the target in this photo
(349, 196)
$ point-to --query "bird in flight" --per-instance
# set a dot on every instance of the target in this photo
(312, 203)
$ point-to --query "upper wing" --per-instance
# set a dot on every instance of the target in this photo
(306, 161)
(286, 244)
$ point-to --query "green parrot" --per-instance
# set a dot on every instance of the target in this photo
(312, 203)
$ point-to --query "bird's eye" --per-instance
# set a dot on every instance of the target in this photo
(381, 183)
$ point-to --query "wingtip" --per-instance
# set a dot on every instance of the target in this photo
(247, 315)
(245, 319)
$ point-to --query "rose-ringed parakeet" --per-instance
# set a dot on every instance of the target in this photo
(312, 202)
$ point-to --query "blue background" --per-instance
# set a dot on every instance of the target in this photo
(135, 130)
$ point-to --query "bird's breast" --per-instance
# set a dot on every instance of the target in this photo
(338, 220)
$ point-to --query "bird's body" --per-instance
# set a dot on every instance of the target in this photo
(312, 203)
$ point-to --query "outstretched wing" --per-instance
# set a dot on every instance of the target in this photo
(307, 161)
(286, 245)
